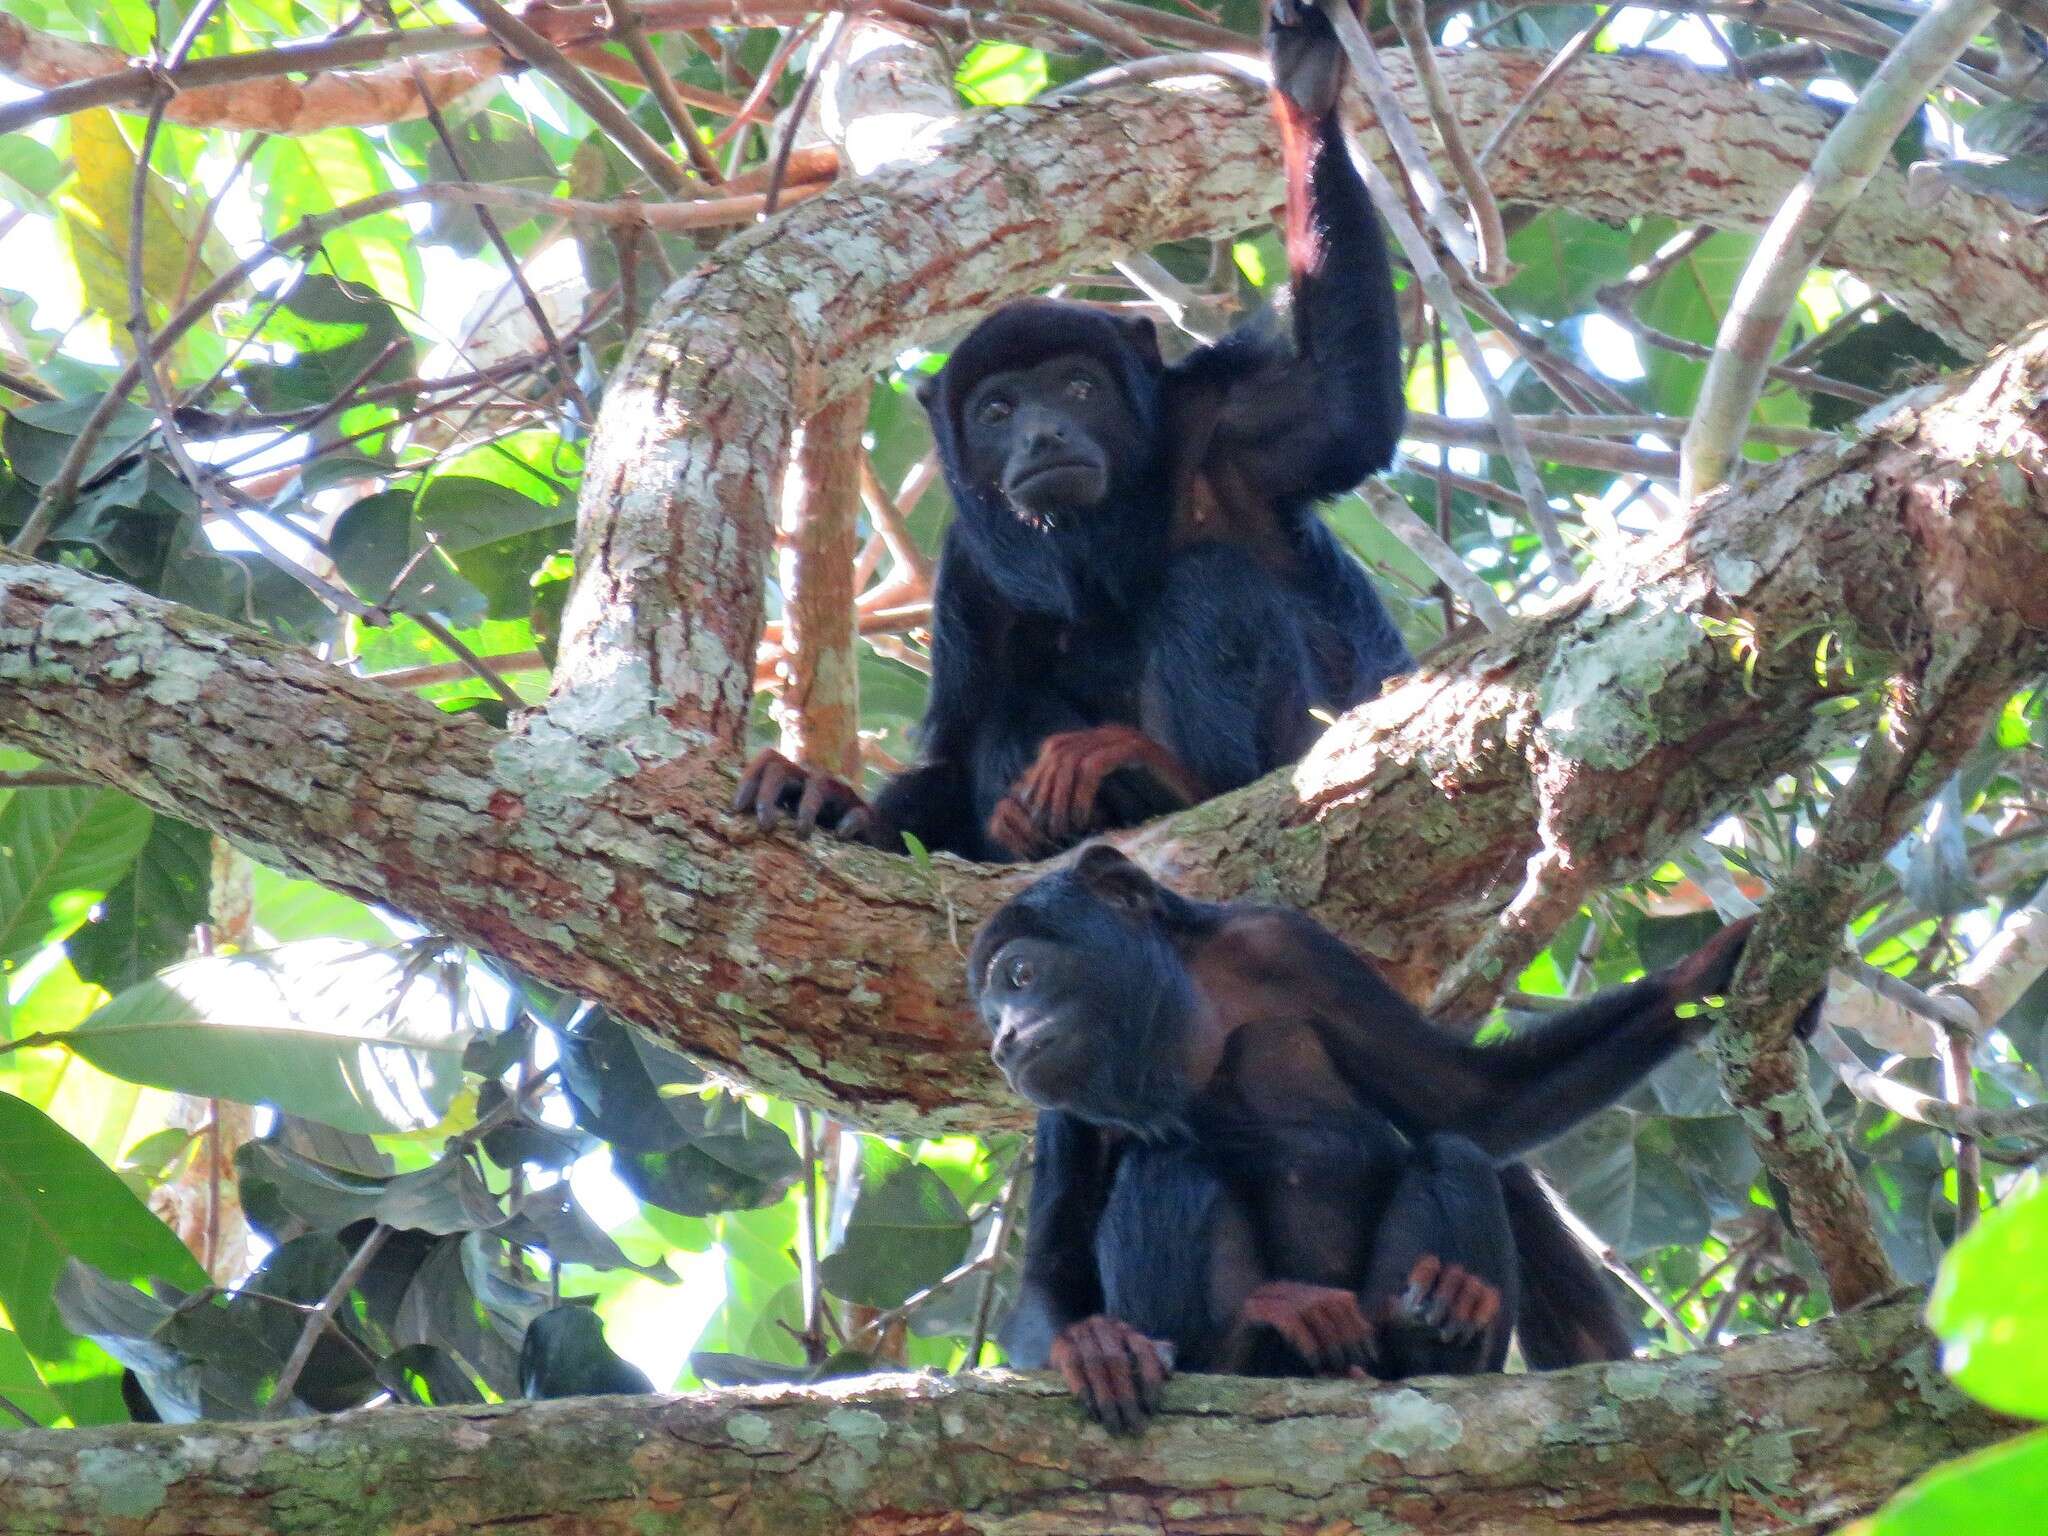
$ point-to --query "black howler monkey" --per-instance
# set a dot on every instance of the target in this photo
(1253, 1150)
(1137, 605)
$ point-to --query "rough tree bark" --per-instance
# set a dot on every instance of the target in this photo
(1830, 1419)
(1596, 735)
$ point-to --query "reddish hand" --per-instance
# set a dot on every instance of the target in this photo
(1116, 1371)
(1052, 806)
(1323, 1324)
(1451, 1301)
(773, 788)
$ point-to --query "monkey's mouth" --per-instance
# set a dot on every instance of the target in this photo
(1046, 493)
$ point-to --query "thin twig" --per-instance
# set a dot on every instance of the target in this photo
(321, 1318)
(1400, 132)
(635, 141)
(477, 666)
(1006, 1217)
(1445, 301)
(514, 272)
(837, 30)
(662, 86)
(1959, 1088)
(1553, 72)
(1616, 1266)
(1491, 266)
(1399, 519)
(1852, 153)
(2027, 1124)
(807, 1239)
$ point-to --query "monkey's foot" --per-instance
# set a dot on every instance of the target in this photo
(1323, 1324)
(1115, 1370)
(774, 788)
(1061, 791)
(1446, 1299)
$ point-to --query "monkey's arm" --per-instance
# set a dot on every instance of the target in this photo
(1069, 1186)
(1317, 422)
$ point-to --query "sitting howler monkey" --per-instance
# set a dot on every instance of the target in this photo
(1253, 1150)
(1137, 605)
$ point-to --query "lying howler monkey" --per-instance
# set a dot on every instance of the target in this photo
(1137, 605)
(1253, 1150)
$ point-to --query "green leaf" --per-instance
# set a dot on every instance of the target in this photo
(742, 1162)
(2001, 1489)
(61, 850)
(23, 1385)
(565, 1355)
(1990, 1304)
(146, 921)
(906, 1231)
(1562, 259)
(289, 909)
(60, 1202)
(280, 1185)
(1001, 74)
(332, 332)
(332, 1031)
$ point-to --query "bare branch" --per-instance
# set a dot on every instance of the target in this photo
(1786, 253)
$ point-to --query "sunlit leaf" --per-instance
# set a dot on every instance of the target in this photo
(61, 850)
(1990, 1304)
(2002, 1488)
(333, 1031)
(906, 1230)
(60, 1202)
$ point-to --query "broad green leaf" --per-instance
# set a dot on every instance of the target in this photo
(146, 921)
(906, 1231)
(280, 1185)
(565, 1355)
(59, 1202)
(1001, 74)
(289, 909)
(332, 1031)
(23, 1385)
(1990, 1305)
(1562, 258)
(1998, 1490)
(95, 211)
(61, 850)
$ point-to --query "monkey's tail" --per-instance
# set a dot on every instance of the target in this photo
(1568, 1314)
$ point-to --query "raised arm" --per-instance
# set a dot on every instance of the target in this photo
(1318, 421)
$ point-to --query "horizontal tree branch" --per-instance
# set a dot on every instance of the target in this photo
(590, 845)
(1831, 1418)
(595, 850)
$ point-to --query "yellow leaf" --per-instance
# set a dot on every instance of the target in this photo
(95, 208)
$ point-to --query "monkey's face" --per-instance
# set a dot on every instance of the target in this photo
(1051, 437)
(1086, 1003)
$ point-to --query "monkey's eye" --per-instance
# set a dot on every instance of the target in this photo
(993, 411)
(1021, 973)
(1080, 386)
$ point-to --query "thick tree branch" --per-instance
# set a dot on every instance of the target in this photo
(1602, 733)
(673, 544)
(1832, 1418)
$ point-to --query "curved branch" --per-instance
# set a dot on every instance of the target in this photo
(1857, 1403)
(591, 847)
(697, 425)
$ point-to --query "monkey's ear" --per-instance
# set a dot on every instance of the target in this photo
(1114, 879)
(927, 388)
(1144, 339)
